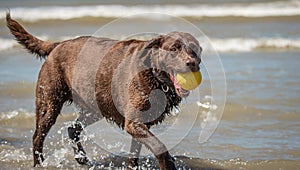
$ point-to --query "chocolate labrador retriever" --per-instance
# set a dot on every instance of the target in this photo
(133, 87)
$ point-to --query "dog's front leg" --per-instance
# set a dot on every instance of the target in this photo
(141, 133)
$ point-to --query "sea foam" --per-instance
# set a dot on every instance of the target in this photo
(254, 44)
(221, 45)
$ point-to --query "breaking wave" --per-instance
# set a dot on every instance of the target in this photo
(251, 44)
(221, 45)
(268, 9)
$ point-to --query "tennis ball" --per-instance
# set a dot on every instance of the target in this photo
(189, 81)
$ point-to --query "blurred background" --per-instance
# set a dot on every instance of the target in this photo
(259, 46)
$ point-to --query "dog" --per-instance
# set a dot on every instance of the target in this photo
(134, 85)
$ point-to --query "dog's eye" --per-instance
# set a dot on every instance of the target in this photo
(176, 47)
(173, 49)
(194, 54)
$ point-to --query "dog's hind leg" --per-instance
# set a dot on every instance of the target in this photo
(48, 107)
(51, 93)
(74, 132)
(45, 118)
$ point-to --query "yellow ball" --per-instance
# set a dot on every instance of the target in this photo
(189, 81)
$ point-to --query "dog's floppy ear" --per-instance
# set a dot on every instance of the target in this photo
(155, 42)
(152, 46)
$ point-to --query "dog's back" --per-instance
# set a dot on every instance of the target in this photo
(74, 62)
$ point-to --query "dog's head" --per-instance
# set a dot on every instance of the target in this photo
(176, 52)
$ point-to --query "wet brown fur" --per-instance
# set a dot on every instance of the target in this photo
(55, 85)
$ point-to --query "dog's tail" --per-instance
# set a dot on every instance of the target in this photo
(33, 44)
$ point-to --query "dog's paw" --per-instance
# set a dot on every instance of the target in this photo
(81, 158)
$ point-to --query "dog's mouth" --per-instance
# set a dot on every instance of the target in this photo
(179, 90)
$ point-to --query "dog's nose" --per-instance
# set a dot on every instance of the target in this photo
(191, 63)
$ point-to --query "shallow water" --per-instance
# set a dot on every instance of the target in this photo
(260, 126)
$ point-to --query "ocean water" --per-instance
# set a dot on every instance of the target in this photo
(259, 46)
